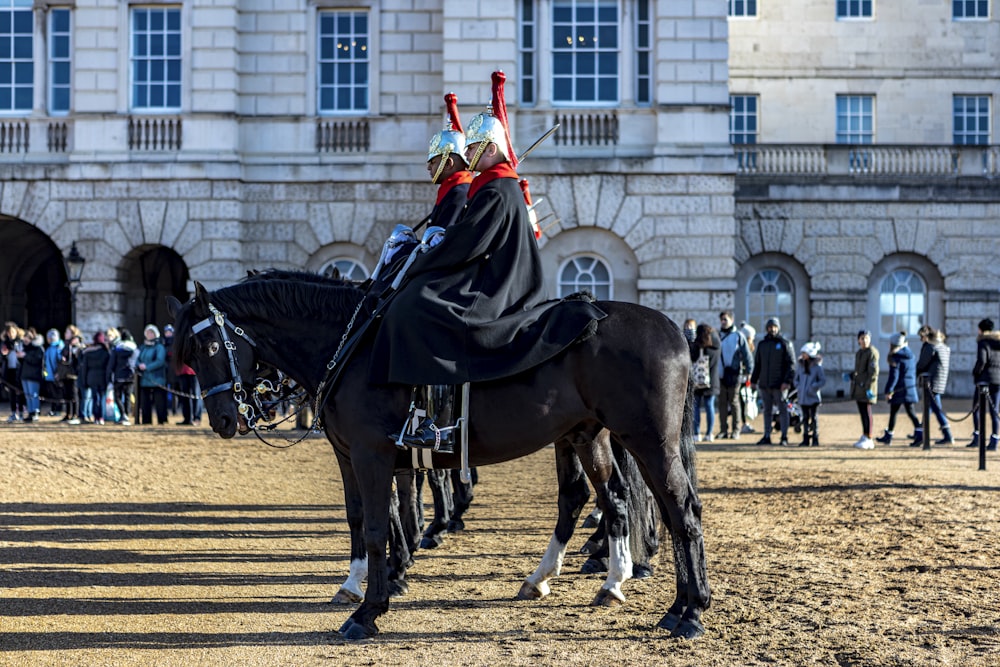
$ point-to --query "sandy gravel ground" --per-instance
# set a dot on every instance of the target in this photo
(169, 546)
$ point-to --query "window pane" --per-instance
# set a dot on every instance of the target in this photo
(342, 71)
(579, 29)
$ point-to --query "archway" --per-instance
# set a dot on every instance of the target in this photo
(151, 273)
(33, 281)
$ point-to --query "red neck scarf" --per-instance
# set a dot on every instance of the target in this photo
(502, 170)
(447, 184)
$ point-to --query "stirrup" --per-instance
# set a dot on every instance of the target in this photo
(429, 436)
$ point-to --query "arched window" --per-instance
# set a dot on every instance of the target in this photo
(349, 269)
(902, 303)
(771, 293)
(586, 272)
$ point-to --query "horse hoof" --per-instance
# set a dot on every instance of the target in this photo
(589, 547)
(688, 629)
(640, 571)
(530, 591)
(594, 566)
(398, 589)
(606, 598)
(345, 596)
(456, 526)
(354, 631)
(590, 522)
(669, 621)
(432, 541)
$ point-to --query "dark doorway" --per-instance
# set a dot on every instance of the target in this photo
(151, 275)
(33, 285)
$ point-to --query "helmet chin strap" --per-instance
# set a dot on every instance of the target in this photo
(441, 165)
(474, 162)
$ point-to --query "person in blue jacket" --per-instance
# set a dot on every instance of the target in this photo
(152, 367)
(901, 387)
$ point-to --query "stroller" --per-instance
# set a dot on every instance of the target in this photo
(794, 413)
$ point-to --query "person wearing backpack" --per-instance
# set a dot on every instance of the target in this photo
(773, 373)
(737, 364)
(705, 351)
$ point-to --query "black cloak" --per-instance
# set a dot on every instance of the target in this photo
(474, 308)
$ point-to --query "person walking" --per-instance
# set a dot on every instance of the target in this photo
(67, 373)
(987, 373)
(773, 374)
(152, 366)
(864, 386)
(10, 346)
(748, 397)
(736, 363)
(809, 380)
(901, 388)
(933, 363)
(705, 352)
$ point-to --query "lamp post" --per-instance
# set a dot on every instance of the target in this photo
(74, 270)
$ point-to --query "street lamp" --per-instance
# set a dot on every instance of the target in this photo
(74, 270)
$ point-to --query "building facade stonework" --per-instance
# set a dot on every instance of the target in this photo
(643, 197)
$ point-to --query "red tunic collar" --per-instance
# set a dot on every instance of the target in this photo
(447, 184)
(502, 170)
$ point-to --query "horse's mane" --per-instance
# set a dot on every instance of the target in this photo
(278, 295)
(281, 295)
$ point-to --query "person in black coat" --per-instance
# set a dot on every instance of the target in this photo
(93, 378)
(471, 307)
(705, 347)
(31, 360)
(773, 374)
(987, 372)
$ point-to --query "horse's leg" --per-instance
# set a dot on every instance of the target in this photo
(399, 551)
(573, 495)
(462, 496)
(643, 516)
(435, 532)
(670, 474)
(409, 512)
(351, 590)
(602, 470)
(373, 471)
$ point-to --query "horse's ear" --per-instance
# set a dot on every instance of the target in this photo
(200, 294)
(336, 274)
(173, 306)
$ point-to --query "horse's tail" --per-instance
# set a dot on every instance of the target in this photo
(687, 435)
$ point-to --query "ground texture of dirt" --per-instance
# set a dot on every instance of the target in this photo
(169, 546)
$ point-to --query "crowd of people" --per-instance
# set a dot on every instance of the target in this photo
(111, 378)
(737, 376)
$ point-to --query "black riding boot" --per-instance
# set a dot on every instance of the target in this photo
(439, 401)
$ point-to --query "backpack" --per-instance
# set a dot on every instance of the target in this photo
(701, 373)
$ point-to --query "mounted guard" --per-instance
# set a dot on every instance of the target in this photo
(474, 308)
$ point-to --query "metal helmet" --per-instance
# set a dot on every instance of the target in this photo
(491, 126)
(451, 139)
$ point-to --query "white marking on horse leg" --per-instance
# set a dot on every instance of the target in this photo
(358, 573)
(550, 566)
(619, 566)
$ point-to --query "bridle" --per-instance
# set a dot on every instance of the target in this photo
(219, 319)
(256, 412)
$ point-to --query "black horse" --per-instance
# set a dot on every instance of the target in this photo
(628, 382)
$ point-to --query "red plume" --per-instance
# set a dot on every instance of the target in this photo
(451, 103)
(531, 213)
(500, 112)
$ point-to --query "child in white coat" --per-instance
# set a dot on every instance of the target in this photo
(809, 379)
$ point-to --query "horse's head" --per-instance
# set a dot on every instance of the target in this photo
(222, 355)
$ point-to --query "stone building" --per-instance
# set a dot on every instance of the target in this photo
(194, 140)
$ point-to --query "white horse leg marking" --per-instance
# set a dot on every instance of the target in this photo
(550, 567)
(358, 573)
(619, 566)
